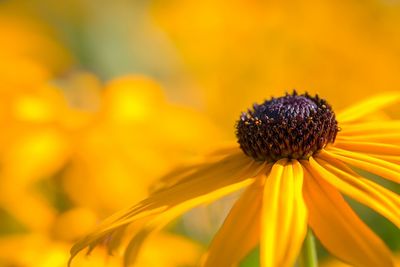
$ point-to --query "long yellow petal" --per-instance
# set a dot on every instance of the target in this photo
(159, 222)
(163, 217)
(240, 232)
(152, 227)
(387, 132)
(197, 188)
(339, 175)
(284, 215)
(297, 235)
(385, 148)
(353, 129)
(339, 229)
(392, 159)
(368, 106)
(200, 168)
(384, 138)
(371, 164)
(368, 147)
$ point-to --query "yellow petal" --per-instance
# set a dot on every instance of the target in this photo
(385, 138)
(392, 159)
(284, 215)
(197, 188)
(339, 229)
(382, 147)
(369, 147)
(207, 166)
(371, 164)
(367, 192)
(361, 128)
(239, 234)
(159, 222)
(368, 106)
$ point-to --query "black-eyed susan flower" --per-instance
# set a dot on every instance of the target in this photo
(295, 159)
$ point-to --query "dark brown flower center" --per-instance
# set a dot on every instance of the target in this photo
(292, 126)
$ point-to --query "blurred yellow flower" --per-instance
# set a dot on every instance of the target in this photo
(35, 146)
(294, 163)
(105, 150)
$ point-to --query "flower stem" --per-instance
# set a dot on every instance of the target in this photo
(308, 254)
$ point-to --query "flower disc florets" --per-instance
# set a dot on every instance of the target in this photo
(293, 126)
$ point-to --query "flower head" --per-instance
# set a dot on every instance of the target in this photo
(295, 164)
(293, 126)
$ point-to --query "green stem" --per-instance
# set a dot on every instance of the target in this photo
(308, 254)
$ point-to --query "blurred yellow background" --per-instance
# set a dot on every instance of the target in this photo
(100, 98)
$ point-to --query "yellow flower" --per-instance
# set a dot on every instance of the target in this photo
(53, 154)
(35, 146)
(294, 162)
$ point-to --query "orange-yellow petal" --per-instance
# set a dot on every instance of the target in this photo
(369, 147)
(160, 221)
(362, 128)
(369, 163)
(384, 138)
(391, 159)
(284, 215)
(207, 166)
(239, 234)
(367, 192)
(197, 188)
(339, 229)
(368, 106)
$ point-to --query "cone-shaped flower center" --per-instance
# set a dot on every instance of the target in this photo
(293, 126)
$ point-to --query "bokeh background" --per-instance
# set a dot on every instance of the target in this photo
(99, 98)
